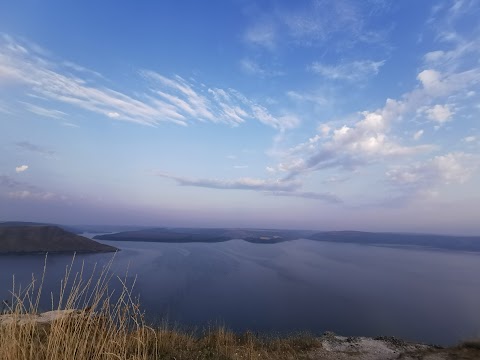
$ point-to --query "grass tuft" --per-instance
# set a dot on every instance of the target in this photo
(89, 321)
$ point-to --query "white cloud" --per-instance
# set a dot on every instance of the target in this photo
(41, 111)
(304, 97)
(313, 23)
(172, 99)
(469, 139)
(67, 124)
(113, 114)
(245, 183)
(418, 135)
(21, 168)
(251, 67)
(439, 113)
(455, 167)
(263, 34)
(276, 187)
(348, 147)
(353, 71)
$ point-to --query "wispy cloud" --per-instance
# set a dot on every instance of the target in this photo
(19, 190)
(28, 146)
(326, 197)
(418, 134)
(278, 187)
(263, 33)
(41, 111)
(27, 194)
(9, 182)
(351, 71)
(238, 184)
(171, 99)
(252, 67)
(313, 23)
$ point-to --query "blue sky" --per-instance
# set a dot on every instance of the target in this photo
(290, 114)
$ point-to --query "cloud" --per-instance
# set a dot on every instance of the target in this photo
(67, 124)
(251, 67)
(268, 187)
(237, 184)
(326, 197)
(9, 182)
(418, 135)
(353, 71)
(41, 111)
(469, 139)
(168, 99)
(26, 194)
(313, 23)
(25, 145)
(368, 139)
(240, 166)
(439, 113)
(455, 167)
(20, 190)
(262, 34)
(21, 168)
(349, 147)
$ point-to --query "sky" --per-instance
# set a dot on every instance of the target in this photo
(328, 114)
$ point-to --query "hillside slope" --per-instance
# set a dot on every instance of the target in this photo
(45, 238)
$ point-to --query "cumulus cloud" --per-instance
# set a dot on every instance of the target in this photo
(439, 113)
(171, 99)
(348, 147)
(369, 139)
(21, 168)
(455, 167)
(469, 139)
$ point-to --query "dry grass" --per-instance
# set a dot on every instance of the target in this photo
(111, 326)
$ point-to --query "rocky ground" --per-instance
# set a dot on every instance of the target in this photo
(336, 347)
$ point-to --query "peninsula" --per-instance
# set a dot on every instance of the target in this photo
(23, 239)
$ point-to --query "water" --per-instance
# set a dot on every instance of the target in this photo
(419, 295)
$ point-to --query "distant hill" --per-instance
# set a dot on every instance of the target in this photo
(33, 238)
(445, 242)
(272, 236)
(188, 235)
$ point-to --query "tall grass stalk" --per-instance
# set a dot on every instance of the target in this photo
(89, 321)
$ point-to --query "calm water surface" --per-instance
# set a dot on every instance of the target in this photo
(428, 296)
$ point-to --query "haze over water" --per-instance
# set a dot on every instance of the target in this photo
(420, 295)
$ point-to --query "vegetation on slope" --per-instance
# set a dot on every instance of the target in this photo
(45, 238)
(112, 326)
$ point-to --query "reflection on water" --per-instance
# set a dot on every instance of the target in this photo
(428, 296)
